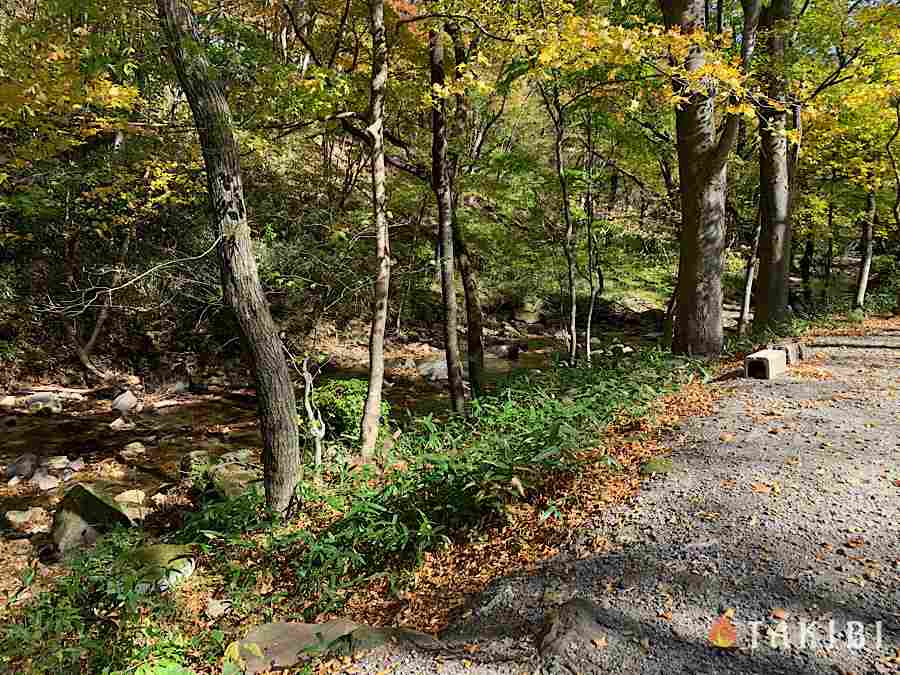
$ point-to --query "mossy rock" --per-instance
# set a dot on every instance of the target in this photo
(161, 567)
(82, 515)
(656, 466)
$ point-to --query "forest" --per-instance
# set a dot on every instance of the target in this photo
(382, 300)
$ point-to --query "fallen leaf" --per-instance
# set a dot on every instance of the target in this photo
(779, 613)
(855, 542)
(600, 642)
(722, 634)
(761, 488)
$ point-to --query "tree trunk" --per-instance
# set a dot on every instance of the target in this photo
(372, 413)
(702, 162)
(240, 280)
(474, 314)
(749, 271)
(806, 268)
(866, 243)
(774, 176)
(441, 187)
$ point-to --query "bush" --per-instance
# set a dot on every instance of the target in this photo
(341, 403)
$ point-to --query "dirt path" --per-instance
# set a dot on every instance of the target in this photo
(783, 505)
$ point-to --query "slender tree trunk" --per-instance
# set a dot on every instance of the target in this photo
(866, 244)
(440, 185)
(240, 280)
(702, 161)
(749, 272)
(895, 209)
(589, 212)
(774, 175)
(474, 314)
(372, 413)
(806, 267)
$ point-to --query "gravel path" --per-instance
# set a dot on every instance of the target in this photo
(783, 507)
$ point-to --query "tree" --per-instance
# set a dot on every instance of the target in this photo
(440, 183)
(774, 172)
(371, 420)
(702, 162)
(240, 280)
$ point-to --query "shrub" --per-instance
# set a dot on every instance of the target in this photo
(341, 403)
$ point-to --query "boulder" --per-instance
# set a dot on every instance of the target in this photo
(121, 424)
(233, 480)
(131, 497)
(22, 467)
(30, 521)
(82, 515)
(45, 481)
(161, 567)
(125, 403)
(283, 646)
(434, 370)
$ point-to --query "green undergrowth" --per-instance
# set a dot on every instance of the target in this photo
(443, 481)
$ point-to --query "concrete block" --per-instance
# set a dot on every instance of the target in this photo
(766, 364)
(792, 350)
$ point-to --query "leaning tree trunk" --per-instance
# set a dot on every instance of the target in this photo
(774, 176)
(866, 244)
(240, 280)
(372, 413)
(702, 162)
(440, 185)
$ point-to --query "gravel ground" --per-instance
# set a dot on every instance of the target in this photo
(783, 507)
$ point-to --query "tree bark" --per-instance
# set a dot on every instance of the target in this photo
(702, 162)
(866, 244)
(474, 314)
(806, 267)
(774, 175)
(372, 413)
(441, 186)
(240, 280)
(749, 272)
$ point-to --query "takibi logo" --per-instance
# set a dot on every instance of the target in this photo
(779, 634)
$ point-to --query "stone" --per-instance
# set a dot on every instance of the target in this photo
(792, 351)
(195, 462)
(44, 403)
(121, 424)
(161, 567)
(216, 609)
(30, 521)
(22, 467)
(765, 364)
(9, 402)
(133, 451)
(434, 370)
(57, 463)
(234, 480)
(529, 311)
(82, 515)
(125, 402)
(44, 481)
(283, 646)
(131, 497)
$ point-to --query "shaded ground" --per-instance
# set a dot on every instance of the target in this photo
(784, 504)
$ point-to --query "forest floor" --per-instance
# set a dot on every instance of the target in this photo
(781, 506)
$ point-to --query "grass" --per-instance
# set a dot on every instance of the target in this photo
(445, 483)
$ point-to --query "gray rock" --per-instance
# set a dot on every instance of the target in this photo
(82, 515)
(125, 402)
(27, 521)
(44, 481)
(233, 480)
(282, 646)
(434, 370)
(57, 463)
(46, 406)
(22, 467)
(161, 567)
(121, 424)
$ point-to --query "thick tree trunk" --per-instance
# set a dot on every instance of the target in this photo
(749, 272)
(702, 162)
(774, 176)
(474, 314)
(806, 268)
(866, 244)
(441, 186)
(240, 280)
(372, 413)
